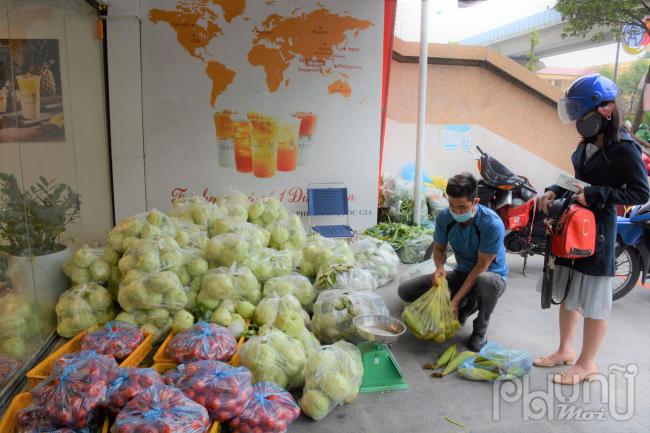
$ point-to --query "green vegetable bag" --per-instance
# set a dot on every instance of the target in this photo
(430, 316)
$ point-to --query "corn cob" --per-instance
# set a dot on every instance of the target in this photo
(446, 356)
(477, 374)
(455, 363)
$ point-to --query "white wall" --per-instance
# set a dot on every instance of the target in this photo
(124, 77)
(443, 159)
(82, 159)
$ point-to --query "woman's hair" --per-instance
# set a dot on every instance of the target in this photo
(613, 128)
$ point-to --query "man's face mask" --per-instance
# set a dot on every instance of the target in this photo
(590, 125)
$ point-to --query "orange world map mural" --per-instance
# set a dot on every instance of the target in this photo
(318, 40)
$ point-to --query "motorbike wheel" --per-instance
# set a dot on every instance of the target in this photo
(627, 272)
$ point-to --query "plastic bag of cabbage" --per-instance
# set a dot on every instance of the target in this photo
(232, 283)
(287, 234)
(18, 324)
(266, 211)
(333, 377)
(229, 248)
(150, 225)
(344, 277)
(235, 204)
(156, 321)
(268, 263)
(275, 357)
(81, 307)
(149, 291)
(190, 235)
(90, 265)
(271, 307)
(293, 284)
(376, 256)
(148, 255)
(320, 251)
(232, 225)
(292, 323)
(413, 250)
(334, 310)
(196, 210)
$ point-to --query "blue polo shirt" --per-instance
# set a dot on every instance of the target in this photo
(465, 240)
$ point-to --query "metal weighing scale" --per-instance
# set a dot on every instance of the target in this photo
(381, 372)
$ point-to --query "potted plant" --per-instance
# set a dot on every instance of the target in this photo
(32, 223)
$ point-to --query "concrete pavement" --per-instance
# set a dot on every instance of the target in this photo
(517, 323)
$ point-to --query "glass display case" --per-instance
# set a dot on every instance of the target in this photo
(54, 167)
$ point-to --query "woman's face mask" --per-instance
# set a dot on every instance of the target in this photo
(590, 125)
(594, 123)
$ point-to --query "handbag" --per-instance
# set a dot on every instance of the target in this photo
(572, 235)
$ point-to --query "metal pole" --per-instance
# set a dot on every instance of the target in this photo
(422, 108)
(618, 49)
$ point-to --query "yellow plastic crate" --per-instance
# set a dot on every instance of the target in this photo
(20, 402)
(43, 369)
(140, 353)
(160, 357)
(161, 354)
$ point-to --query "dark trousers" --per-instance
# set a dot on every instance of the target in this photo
(482, 298)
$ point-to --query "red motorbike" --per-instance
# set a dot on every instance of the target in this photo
(516, 201)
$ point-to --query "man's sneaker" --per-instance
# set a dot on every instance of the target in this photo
(476, 341)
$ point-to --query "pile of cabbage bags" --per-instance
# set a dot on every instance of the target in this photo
(81, 307)
(377, 257)
(18, 325)
(320, 251)
(8, 366)
(345, 277)
(293, 284)
(335, 309)
(332, 378)
(275, 357)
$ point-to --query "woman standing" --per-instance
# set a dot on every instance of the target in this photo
(609, 160)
